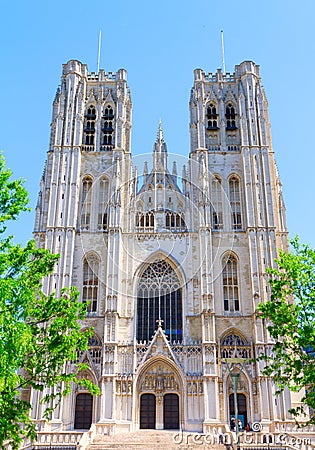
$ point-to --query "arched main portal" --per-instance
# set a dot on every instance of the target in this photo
(159, 296)
(160, 390)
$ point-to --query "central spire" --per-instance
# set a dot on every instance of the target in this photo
(160, 138)
(160, 151)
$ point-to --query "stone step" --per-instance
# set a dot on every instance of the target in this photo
(149, 440)
(152, 445)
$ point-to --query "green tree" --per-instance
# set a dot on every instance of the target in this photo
(290, 315)
(39, 333)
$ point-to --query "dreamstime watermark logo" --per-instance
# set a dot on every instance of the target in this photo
(245, 437)
(154, 215)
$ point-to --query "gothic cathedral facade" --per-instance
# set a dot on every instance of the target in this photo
(172, 267)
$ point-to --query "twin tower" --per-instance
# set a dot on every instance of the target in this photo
(172, 266)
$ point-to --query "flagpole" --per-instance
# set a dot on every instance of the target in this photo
(222, 48)
(99, 51)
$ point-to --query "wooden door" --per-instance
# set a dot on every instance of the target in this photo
(171, 412)
(83, 411)
(147, 411)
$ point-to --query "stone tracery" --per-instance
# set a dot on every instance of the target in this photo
(159, 297)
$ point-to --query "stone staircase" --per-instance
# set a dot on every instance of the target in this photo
(150, 440)
(103, 437)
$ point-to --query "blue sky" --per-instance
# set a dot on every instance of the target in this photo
(160, 44)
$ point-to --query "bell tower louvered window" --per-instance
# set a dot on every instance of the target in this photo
(89, 128)
(230, 117)
(108, 128)
(212, 117)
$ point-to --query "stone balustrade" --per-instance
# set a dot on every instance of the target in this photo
(291, 427)
(58, 438)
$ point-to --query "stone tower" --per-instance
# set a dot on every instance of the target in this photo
(172, 267)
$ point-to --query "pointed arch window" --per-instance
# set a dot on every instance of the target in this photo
(230, 284)
(159, 296)
(233, 346)
(235, 203)
(230, 117)
(217, 205)
(108, 128)
(90, 282)
(108, 112)
(86, 204)
(89, 127)
(212, 117)
(95, 349)
(102, 218)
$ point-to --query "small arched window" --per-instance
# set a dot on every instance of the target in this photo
(89, 139)
(175, 221)
(108, 125)
(217, 206)
(230, 117)
(90, 282)
(230, 284)
(212, 117)
(91, 112)
(107, 139)
(235, 203)
(145, 221)
(108, 112)
(86, 203)
(103, 207)
(89, 128)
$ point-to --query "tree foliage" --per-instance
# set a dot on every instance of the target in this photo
(291, 323)
(39, 334)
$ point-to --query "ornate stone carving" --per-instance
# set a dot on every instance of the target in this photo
(141, 351)
(195, 387)
(124, 386)
(125, 359)
(194, 360)
(159, 379)
(179, 353)
(109, 355)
